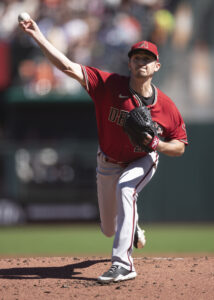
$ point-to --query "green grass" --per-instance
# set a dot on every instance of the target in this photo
(180, 239)
(88, 240)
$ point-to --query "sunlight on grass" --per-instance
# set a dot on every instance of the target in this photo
(89, 240)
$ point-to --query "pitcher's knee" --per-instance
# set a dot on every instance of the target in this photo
(108, 232)
(124, 191)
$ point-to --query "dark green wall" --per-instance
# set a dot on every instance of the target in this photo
(182, 188)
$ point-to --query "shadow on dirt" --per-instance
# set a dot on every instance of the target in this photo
(64, 272)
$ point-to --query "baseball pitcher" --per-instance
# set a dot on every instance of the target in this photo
(135, 122)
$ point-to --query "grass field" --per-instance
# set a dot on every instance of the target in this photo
(87, 239)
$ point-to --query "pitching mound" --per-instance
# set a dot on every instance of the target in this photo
(75, 278)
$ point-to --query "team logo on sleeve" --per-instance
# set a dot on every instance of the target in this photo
(184, 128)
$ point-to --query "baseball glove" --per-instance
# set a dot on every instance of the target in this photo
(137, 125)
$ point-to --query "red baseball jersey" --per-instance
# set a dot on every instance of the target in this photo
(113, 99)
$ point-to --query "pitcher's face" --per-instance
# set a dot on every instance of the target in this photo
(143, 64)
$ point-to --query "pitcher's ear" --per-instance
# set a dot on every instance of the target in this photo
(157, 66)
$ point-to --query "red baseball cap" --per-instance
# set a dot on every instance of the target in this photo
(144, 45)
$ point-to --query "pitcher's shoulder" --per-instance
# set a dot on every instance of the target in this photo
(164, 99)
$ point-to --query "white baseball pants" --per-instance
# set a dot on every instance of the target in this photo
(118, 189)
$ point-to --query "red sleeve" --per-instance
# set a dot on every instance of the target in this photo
(178, 128)
(95, 80)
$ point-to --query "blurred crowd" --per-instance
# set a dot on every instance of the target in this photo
(100, 32)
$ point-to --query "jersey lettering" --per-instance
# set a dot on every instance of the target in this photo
(114, 112)
(117, 116)
(122, 117)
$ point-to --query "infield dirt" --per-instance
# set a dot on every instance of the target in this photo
(75, 278)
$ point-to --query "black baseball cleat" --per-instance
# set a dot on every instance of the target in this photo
(139, 237)
(116, 274)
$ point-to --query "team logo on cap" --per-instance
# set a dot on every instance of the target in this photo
(144, 45)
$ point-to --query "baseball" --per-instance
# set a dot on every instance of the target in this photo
(24, 16)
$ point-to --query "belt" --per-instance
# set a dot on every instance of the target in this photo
(113, 161)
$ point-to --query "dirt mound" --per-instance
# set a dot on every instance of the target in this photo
(75, 278)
